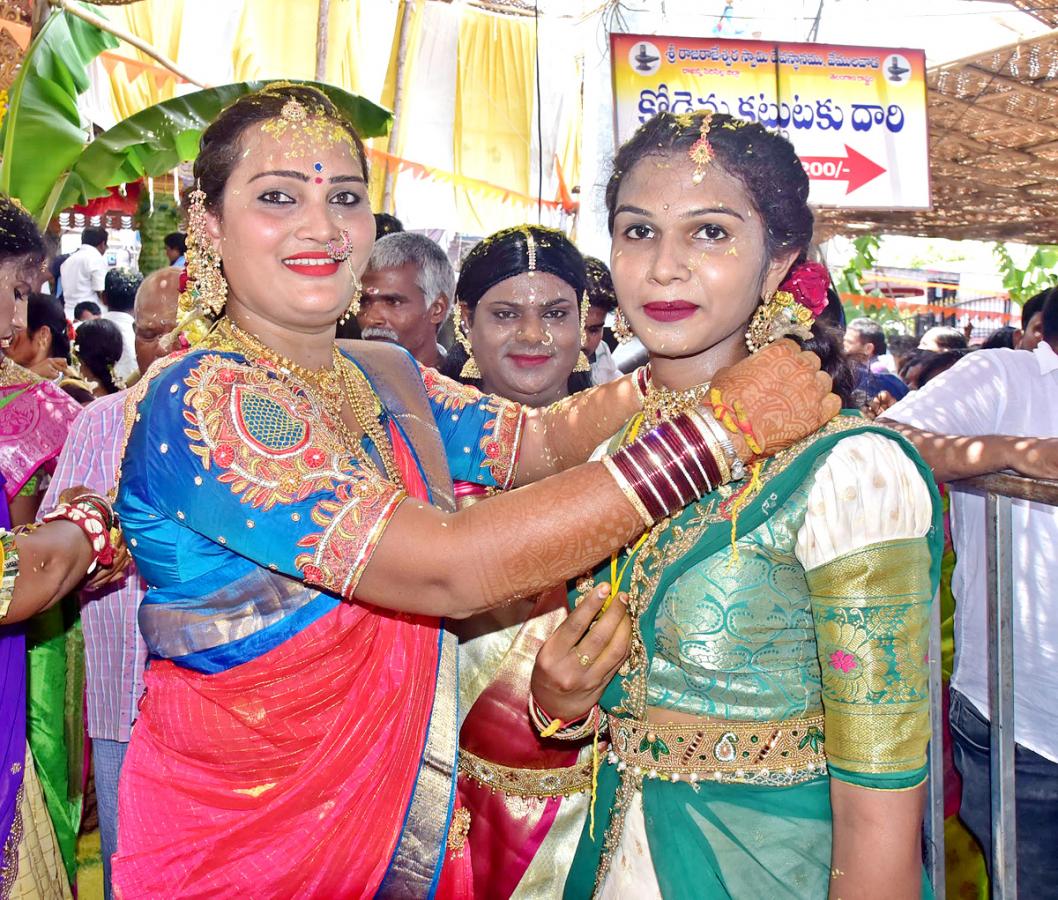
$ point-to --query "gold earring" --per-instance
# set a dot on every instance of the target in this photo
(207, 287)
(778, 315)
(582, 360)
(353, 309)
(470, 367)
(621, 329)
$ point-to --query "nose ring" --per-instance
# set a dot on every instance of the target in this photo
(341, 248)
(548, 339)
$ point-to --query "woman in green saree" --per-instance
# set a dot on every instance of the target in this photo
(768, 729)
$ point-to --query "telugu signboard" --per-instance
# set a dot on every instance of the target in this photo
(856, 115)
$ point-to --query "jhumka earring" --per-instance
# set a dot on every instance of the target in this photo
(621, 329)
(206, 285)
(582, 361)
(780, 314)
(353, 309)
(470, 367)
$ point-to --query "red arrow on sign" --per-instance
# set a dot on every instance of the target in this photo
(853, 167)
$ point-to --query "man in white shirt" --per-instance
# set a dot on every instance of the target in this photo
(119, 294)
(83, 272)
(998, 409)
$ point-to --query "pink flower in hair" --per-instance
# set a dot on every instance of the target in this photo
(808, 282)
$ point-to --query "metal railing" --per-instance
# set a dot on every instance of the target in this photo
(999, 490)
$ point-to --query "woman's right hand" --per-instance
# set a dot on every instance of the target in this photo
(577, 662)
(51, 368)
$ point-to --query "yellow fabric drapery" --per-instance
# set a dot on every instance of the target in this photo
(494, 107)
(158, 22)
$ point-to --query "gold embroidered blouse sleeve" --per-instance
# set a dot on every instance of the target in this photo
(867, 565)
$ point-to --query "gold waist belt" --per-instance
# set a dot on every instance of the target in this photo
(526, 782)
(771, 753)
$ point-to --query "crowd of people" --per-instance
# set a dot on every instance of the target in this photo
(547, 577)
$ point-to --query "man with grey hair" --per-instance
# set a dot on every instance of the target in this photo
(409, 287)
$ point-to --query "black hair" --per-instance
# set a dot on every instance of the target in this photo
(221, 143)
(503, 255)
(601, 291)
(45, 311)
(176, 240)
(767, 166)
(19, 235)
(871, 332)
(939, 363)
(1001, 338)
(900, 345)
(1034, 304)
(94, 236)
(86, 306)
(99, 346)
(1050, 319)
(387, 224)
(120, 286)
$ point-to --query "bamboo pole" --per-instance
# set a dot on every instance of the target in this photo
(393, 145)
(121, 34)
(321, 40)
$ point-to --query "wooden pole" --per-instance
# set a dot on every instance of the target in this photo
(103, 25)
(321, 40)
(408, 11)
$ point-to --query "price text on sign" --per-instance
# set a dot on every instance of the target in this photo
(856, 115)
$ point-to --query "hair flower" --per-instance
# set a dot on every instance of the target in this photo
(808, 282)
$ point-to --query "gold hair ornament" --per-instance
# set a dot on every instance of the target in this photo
(701, 152)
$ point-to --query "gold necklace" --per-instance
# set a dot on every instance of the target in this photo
(342, 383)
(660, 402)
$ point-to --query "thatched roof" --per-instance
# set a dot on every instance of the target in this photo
(993, 147)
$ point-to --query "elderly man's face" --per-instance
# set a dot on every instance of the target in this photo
(393, 308)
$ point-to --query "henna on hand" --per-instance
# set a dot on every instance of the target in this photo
(566, 433)
(784, 394)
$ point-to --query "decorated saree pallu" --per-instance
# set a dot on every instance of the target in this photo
(293, 742)
(794, 677)
(527, 796)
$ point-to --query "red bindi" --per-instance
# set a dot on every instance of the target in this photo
(319, 180)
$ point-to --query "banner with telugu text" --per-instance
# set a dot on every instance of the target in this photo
(856, 115)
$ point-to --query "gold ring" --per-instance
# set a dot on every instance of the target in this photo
(585, 660)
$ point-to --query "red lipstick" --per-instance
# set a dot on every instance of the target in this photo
(670, 310)
(526, 361)
(315, 264)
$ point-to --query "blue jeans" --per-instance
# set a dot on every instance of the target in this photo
(107, 758)
(1036, 799)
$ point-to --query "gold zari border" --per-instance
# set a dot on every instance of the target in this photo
(526, 782)
(780, 752)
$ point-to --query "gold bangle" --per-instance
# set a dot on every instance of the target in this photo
(627, 490)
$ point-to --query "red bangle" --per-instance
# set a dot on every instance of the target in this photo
(92, 514)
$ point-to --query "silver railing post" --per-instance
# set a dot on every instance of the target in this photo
(1001, 694)
(935, 815)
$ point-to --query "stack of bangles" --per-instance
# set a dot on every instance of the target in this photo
(676, 463)
(575, 730)
(93, 514)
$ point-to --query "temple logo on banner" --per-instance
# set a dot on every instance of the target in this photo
(856, 115)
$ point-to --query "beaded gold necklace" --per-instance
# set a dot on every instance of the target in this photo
(342, 383)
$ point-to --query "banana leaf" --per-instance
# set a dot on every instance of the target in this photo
(42, 134)
(157, 139)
